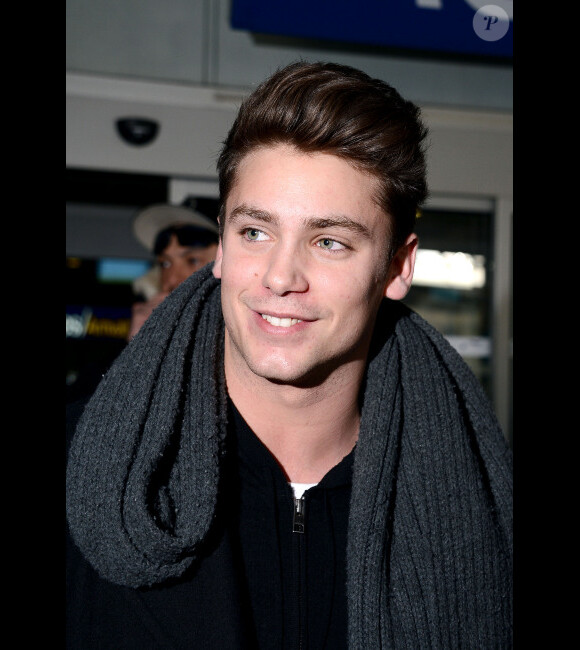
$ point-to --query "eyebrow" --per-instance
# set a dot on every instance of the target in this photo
(313, 223)
(244, 210)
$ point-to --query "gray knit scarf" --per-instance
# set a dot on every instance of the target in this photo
(430, 542)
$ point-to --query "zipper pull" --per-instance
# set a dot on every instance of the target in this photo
(298, 522)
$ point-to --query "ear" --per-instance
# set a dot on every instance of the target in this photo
(217, 267)
(401, 269)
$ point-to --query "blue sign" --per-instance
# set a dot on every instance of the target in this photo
(472, 27)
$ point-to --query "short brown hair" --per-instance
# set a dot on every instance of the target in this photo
(336, 109)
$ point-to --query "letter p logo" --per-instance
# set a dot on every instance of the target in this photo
(491, 20)
(491, 23)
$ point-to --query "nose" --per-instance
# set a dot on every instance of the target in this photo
(286, 271)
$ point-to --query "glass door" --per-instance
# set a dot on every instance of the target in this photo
(452, 287)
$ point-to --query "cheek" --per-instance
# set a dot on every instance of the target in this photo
(238, 273)
(353, 289)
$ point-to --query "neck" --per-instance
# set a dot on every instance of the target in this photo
(307, 430)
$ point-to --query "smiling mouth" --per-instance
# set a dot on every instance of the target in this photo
(280, 322)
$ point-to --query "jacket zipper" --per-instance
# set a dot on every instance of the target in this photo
(298, 522)
(298, 526)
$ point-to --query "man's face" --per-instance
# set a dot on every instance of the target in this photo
(302, 265)
(178, 262)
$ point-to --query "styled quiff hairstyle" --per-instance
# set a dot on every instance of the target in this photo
(339, 110)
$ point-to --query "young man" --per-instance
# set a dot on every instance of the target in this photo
(285, 456)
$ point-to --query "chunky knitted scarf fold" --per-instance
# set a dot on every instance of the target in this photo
(429, 544)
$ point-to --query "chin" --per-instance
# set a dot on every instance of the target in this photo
(287, 373)
(278, 374)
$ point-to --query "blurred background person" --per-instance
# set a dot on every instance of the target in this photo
(182, 241)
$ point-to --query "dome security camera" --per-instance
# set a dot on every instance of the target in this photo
(137, 131)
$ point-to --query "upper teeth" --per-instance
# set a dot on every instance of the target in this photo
(280, 322)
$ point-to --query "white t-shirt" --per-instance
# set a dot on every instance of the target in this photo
(300, 488)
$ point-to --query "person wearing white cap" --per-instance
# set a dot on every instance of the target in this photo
(182, 240)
